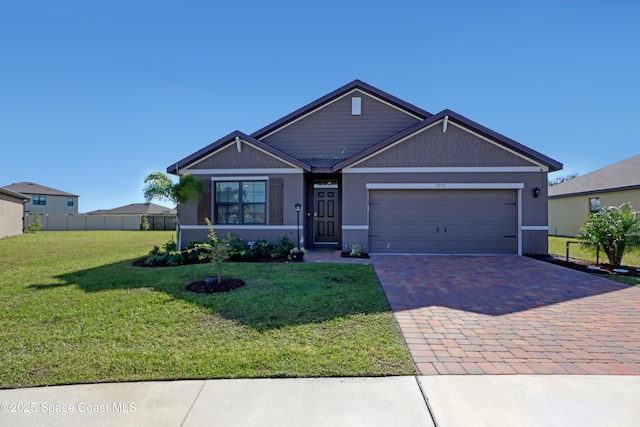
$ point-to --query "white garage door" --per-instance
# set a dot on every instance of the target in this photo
(443, 221)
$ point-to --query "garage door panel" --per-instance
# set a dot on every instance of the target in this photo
(443, 221)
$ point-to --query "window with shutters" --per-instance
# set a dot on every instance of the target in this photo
(240, 202)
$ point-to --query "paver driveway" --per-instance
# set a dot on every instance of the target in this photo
(511, 315)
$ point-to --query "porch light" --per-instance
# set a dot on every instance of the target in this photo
(536, 192)
(298, 206)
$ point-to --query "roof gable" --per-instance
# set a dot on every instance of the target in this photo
(332, 133)
(445, 118)
(222, 143)
(622, 175)
(319, 103)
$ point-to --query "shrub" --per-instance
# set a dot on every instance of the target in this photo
(613, 230)
(283, 248)
(165, 255)
(261, 248)
(237, 246)
(144, 223)
(35, 226)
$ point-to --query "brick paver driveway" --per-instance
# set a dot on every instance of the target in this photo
(511, 315)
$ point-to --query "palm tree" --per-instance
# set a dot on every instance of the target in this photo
(159, 186)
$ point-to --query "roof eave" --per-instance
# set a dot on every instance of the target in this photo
(602, 190)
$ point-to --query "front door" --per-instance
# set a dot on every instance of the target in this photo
(326, 212)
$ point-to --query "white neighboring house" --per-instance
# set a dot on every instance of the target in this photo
(46, 200)
(12, 212)
(570, 202)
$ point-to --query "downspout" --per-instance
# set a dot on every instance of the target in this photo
(24, 215)
(178, 229)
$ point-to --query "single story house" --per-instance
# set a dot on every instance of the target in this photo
(136, 209)
(12, 206)
(46, 200)
(152, 216)
(360, 166)
(570, 202)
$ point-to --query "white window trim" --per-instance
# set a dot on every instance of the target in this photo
(239, 179)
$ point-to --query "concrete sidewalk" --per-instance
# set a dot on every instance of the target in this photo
(468, 400)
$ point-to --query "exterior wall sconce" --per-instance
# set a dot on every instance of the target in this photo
(536, 192)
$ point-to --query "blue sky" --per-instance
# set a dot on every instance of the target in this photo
(96, 95)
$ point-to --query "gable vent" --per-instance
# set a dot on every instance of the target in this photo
(356, 106)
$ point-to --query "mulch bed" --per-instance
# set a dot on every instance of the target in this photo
(347, 254)
(227, 284)
(580, 265)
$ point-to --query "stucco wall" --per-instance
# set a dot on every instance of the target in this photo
(56, 205)
(293, 185)
(11, 213)
(567, 214)
(333, 132)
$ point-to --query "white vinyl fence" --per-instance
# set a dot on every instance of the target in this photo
(102, 222)
(86, 222)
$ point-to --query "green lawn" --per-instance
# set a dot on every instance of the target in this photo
(557, 246)
(74, 310)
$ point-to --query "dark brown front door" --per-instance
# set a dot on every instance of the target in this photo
(326, 215)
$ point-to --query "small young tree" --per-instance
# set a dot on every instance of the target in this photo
(215, 251)
(158, 186)
(613, 230)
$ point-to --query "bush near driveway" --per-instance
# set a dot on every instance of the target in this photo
(74, 310)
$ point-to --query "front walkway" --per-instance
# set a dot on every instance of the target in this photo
(511, 315)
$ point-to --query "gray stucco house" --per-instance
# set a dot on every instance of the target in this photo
(46, 200)
(370, 169)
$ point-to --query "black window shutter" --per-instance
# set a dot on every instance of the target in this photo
(276, 201)
(204, 203)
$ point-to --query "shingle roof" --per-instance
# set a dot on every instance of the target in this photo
(135, 209)
(624, 175)
(37, 189)
(325, 166)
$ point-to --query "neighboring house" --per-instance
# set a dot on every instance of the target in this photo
(373, 170)
(136, 209)
(11, 212)
(46, 200)
(152, 216)
(571, 201)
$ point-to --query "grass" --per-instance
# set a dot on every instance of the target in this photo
(557, 246)
(74, 310)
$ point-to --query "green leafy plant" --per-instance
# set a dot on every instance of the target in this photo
(613, 230)
(356, 250)
(144, 223)
(216, 251)
(261, 248)
(283, 248)
(159, 186)
(34, 226)
(168, 254)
